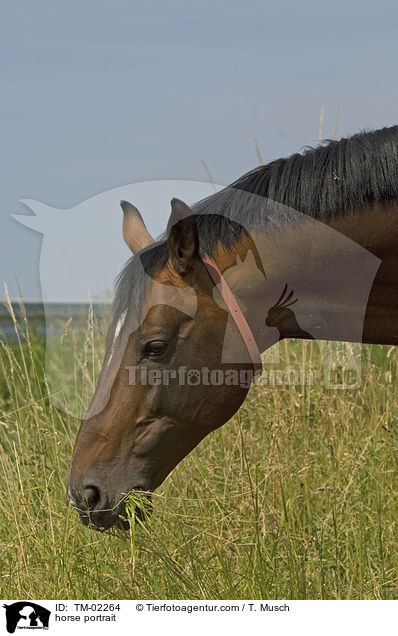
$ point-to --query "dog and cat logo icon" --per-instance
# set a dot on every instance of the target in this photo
(26, 615)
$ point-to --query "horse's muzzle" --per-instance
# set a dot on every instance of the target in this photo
(99, 513)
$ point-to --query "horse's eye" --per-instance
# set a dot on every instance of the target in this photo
(155, 348)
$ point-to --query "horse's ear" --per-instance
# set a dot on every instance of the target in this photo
(134, 230)
(182, 237)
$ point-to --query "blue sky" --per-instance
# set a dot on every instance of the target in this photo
(99, 94)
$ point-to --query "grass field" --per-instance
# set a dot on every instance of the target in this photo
(296, 497)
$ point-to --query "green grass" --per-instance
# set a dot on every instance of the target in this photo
(296, 497)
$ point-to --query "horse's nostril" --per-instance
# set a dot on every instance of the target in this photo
(91, 497)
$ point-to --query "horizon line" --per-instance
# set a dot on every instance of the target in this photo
(71, 301)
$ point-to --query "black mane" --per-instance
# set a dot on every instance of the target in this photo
(334, 178)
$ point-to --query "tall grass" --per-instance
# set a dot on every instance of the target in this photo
(296, 497)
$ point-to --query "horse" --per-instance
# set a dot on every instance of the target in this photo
(194, 309)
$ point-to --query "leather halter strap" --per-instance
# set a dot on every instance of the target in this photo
(233, 308)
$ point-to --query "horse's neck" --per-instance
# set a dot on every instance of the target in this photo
(376, 230)
(343, 274)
